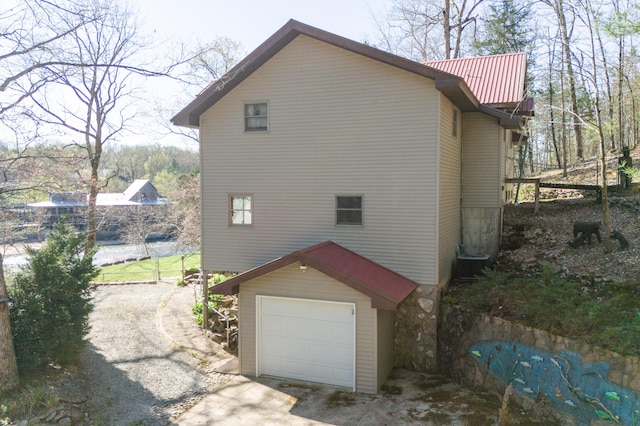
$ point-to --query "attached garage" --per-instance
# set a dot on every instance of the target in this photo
(322, 314)
(306, 339)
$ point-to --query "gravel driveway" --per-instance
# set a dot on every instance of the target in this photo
(133, 372)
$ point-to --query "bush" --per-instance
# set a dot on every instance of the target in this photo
(51, 297)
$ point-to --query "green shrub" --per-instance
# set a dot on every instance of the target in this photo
(51, 297)
(214, 299)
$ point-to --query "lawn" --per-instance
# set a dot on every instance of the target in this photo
(147, 270)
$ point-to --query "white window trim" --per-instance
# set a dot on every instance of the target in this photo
(244, 117)
(230, 198)
(336, 211)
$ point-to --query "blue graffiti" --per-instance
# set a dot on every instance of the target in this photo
(575, 387)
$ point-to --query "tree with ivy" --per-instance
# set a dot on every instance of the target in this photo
(51, 297)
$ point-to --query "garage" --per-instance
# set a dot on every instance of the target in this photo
(322, 314)
(307, 340)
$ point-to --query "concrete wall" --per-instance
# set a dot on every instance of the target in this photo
(483, 171)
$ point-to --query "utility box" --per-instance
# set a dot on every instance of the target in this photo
(468, 266)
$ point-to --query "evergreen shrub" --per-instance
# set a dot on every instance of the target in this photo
(51, 296)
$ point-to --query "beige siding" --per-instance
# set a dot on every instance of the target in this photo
(483, 161)
(290, 281)
(385, 345)
(449, 176)
(339, 123)
(483, 168)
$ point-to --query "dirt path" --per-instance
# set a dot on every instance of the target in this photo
(146, 361)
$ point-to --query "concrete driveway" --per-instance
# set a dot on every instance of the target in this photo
(407, 397)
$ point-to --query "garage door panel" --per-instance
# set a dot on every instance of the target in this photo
(306, 340)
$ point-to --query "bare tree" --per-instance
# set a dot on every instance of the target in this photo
(140, 224)
(95, 99)
(566, 30)
(416, 28)
(594, 37)
(204, 65)
(186, 210)
(29, 33)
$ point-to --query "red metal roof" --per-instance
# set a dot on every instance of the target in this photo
(496, 80)
(385, 287)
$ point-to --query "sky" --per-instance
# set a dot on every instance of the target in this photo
(252, 21)
(249, 22)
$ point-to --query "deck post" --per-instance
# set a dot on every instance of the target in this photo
(537, 196)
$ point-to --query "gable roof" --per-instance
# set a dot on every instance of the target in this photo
(137, 186)
(385, 287)
(450, 85)
(496, 80)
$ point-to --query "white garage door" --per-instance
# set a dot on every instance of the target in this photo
(306, 340)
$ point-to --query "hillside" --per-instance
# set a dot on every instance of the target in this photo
(534, 240)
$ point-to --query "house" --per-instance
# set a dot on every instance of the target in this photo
(113, 208)
(336, 177)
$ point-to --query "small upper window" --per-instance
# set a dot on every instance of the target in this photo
(454, 124)
(255, 117)
(240, 212)
(349, 210)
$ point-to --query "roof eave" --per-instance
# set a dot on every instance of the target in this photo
(190, 115)
(458, 92)
(378, 299)
(506, 120)
(232, 285)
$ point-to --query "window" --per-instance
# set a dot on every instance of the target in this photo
(255, 117)
(240, 209)
(454, 126)
(349, 210)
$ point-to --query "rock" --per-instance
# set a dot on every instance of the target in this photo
(76, 414)
(426, 304)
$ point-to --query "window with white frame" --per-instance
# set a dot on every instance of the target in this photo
(349, 209)
(256, 117)
(240, 209)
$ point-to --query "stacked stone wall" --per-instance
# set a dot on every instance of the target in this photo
(416, 328)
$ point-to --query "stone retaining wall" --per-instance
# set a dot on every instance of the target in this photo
(416, 330)
(571, 381)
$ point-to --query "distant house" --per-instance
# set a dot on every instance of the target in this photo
(141, 195)
(340, 181)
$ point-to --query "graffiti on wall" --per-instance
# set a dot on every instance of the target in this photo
(575, 387)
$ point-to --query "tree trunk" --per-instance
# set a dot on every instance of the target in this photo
(601, 137)
(8, 365)
(92, 211)
(446, 19)
(559, 9)
(563, 131)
